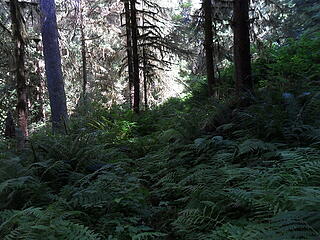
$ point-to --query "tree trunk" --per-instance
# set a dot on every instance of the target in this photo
(129, 50)
(145, 75)
(242, 58)
(52, 59)
(208, 44)
(19, 38)
(40, 116)
(144, 61)
(135, 57)
(83, 54)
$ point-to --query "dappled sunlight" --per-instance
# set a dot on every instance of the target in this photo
(164, 120)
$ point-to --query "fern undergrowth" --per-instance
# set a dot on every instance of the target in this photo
(185, 170)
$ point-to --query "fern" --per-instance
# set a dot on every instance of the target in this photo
(149, 235)
(254, 146)
(36, 223)
(180, 172)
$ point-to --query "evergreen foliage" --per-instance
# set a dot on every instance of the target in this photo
(191, 168)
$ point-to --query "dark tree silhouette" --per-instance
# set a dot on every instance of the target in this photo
(208, 43)
(242, 58)
(135, 56)
(53, 64)
(129, 49)
(83, 52)
(84, 62)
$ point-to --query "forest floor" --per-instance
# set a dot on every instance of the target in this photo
(190, 169)
(181, 171)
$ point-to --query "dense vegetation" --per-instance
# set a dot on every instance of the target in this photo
(192, 168)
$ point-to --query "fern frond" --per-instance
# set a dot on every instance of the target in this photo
(149, 235)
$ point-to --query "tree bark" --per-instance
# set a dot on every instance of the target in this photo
(53, 65)
(208, 44)
(144, 60)
(129, 50)
(242, 57)
(83, 54)
(19, 37)
(145, 75)
(135, 57)
(40, 116)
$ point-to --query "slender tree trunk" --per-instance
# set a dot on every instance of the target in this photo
(52, 58)
(208, 44)
(145, 75)
(135, 57)
(40, 87)
(19, 38)
(83, 54)
(145, 61)
(242, 58)
(129, 50)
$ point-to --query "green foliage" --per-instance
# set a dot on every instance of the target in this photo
(294, 65)
(191, 168)
(36, 223)
(305, 17)
(122, 176)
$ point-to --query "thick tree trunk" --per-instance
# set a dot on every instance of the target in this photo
(129, 50)
(135, 57)
(53, 64)
(208, 44)
(242, 58)
(19, 39)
